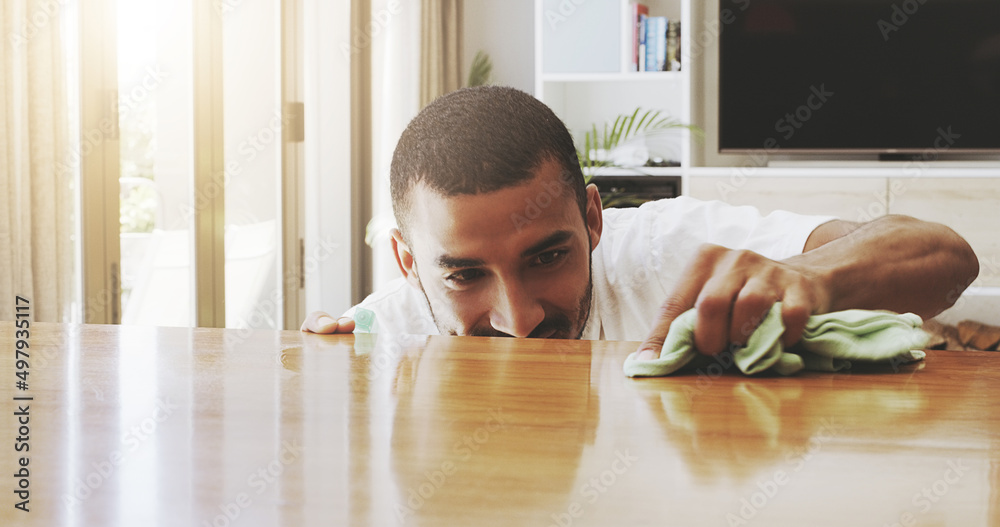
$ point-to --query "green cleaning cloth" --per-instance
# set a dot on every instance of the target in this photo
(829, 343)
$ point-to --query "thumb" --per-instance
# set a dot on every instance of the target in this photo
(669, 311)
(683, 298)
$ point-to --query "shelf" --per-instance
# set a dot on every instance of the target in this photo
(583, 72)
(911, 172)
(636, 171)
(632, 76)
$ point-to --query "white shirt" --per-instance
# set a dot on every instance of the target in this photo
(635, 266)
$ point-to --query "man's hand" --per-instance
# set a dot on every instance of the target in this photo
(320, 322)
(896, 263)
(733, 290)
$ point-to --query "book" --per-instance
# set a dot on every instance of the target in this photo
(656, 43)
(638, 13)
(641, 49)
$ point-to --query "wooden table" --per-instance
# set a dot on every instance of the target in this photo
(138, 426)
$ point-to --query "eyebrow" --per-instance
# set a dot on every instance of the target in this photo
(555, 238)
(452, 262)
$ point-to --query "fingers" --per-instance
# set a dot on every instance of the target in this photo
(715, 304)
(680, 300)
(733, 291)
(321, 322)
(670, 310)
(346, 325)
(311, 323)
(739, 297)
(752, 306)
(731, 303)
(796, 308)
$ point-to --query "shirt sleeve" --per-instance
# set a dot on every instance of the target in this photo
(654, 243)
(643, 253)
(777, 235)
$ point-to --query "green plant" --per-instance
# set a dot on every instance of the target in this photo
(625, 127)
(481, 71)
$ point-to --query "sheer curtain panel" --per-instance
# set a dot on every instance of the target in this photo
(36, 178)
(441, 48)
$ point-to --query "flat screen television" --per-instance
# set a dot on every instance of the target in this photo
(860, 76)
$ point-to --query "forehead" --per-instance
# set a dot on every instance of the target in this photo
(494, 223)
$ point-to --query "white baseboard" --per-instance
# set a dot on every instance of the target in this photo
(981, 304)
(874, 163)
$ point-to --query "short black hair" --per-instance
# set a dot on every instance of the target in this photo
(479, 140)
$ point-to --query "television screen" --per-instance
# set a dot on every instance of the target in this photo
(860, 75)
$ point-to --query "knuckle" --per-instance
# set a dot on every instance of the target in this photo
(800, 281)
(713, 306)
(755, 301)
(709, 248)
(745, 257)
(708, 253)
(794, 313)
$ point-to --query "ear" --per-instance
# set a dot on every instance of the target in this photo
(404, 258)
(595, 215)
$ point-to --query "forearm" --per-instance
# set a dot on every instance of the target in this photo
(897, 263)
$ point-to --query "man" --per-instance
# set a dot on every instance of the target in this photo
(498, 236)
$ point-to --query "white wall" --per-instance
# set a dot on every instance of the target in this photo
(395, 101)
(327, 151)
(506, 30)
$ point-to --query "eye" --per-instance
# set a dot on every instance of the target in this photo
(464, 277)
(550, 257)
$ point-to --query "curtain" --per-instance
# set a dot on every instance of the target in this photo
(395, 100)
(440, 48)
(36, 206)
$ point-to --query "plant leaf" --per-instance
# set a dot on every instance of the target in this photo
(631, 122)
(481, 70)
(625, 127)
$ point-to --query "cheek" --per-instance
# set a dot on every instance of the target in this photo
(565, 287)
(460, 309)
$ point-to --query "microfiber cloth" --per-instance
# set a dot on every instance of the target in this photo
(829, 343)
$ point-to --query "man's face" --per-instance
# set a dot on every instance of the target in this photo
(514, 262)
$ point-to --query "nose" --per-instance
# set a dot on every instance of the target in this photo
(516, 311)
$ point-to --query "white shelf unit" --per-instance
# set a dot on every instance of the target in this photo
(635, 171)
(583, 70)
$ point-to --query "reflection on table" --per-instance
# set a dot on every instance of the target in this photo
(146, 426)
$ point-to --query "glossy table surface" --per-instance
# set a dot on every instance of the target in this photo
(138, 426)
